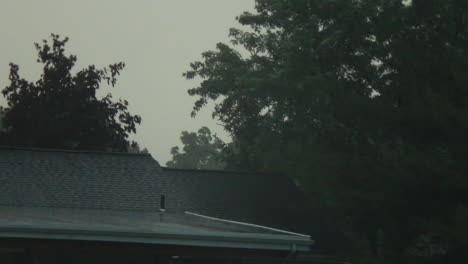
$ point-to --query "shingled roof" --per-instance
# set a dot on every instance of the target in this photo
(78, 179)
(120, 181)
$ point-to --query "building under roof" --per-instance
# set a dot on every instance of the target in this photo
(119, 203)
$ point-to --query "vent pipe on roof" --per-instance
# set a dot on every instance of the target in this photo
(162, 207)
(162, 203)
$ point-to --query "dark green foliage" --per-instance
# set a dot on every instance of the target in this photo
(365, 102)
(200, 151)
(62, 110)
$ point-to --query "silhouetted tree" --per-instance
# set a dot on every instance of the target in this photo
(63, 110)
(364, 102)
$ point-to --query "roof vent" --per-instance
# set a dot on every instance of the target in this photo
(162, 203)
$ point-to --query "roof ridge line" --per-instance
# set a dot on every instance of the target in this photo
(71, 151)
(220, 171)
(248, 224)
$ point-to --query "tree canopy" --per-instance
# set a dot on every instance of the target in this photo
(62, 109)
(201, 150)
(365, 102)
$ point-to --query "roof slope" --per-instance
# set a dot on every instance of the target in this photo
(116, 181)
(269, 200)
(262, 199)
(78, 179)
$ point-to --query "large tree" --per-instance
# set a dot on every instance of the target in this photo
(201, 150)
(365, 102)
(62, 109)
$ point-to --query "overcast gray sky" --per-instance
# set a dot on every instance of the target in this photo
(157, 39)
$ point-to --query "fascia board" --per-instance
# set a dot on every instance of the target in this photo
(166, 236)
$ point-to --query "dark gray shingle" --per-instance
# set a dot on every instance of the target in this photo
(78, 179)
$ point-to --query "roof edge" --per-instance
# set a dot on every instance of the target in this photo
(159, 236)
(71, 151)
(222, 171)
(248, 224)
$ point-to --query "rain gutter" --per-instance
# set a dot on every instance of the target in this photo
(167, 236)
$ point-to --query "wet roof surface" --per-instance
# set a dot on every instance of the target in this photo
(136, 220)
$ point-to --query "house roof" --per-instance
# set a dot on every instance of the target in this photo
(270, 200)
(76, 179)
(120, 181)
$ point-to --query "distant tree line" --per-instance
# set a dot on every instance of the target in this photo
(365, 103)
(200, 150)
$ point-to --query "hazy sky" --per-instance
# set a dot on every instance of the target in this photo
(157, 39)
